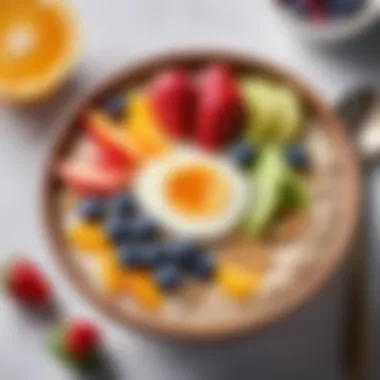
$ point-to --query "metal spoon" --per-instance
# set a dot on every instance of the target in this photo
(361, 113)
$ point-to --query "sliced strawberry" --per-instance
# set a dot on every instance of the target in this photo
(171, 96)
(219, 113)
(91, 177)
(112, 139)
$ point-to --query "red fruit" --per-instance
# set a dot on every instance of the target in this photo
(172, 99)
(112, 140)
(89, 179)
(219, 114)
(92, 173)
(27, 283)
(81, 339)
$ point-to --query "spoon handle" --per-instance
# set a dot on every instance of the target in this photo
(354, 110)
(358, 313)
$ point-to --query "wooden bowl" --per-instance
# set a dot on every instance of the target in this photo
(272, 311)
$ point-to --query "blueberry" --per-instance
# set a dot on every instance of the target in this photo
(124, 205)
(115, 107)
(243, 154)
(145, 229)
(297, 157)
(183, 252)
(92, 209)
(119, 230)
(163, 254)
(168, 276)
(343, 8)
(202, 266)
(130, 256)
(152, 253)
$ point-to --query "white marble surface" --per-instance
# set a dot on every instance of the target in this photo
(309, 345)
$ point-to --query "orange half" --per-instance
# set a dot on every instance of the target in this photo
(39, 46)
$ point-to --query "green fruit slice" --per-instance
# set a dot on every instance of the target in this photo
(258, 95)
(289, 114)
(277, 191)
(295, 195)
(267, 181)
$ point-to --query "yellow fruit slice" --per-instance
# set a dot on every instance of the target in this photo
(141, 287)
(39, 45)
(90, 238)
(144, 129)
(111, 274)
(238, 282)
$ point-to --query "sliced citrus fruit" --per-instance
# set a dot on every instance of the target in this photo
(39, 45)
(90, 237)
(141, 287)
(145, 129)
(237, 281)
(111, 274)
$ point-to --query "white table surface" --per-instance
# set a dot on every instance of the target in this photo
(307, 346)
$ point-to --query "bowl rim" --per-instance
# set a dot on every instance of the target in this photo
(335, 30)
(349, 201)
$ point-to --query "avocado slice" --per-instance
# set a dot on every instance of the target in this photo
(274, 111)
(295, 195)
(289, 114)
(267, 180)
(258, 95)
(278, 190)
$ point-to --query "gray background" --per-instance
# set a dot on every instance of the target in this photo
(310, 344)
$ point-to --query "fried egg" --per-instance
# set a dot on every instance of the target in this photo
(192, 194)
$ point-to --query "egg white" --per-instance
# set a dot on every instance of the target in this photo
(150, 185)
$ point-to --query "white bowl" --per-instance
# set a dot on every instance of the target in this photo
(336, 30)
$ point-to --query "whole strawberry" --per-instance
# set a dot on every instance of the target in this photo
(171, 96)
(219, 113)
(77, 342)
(27, 283)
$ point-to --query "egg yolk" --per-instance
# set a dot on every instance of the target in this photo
(197, 191)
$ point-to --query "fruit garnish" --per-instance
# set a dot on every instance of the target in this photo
(141, 287)
(243, 154)
(89, 171)
(145, 129)
(132, 256)
(92, 209)
(279, 190)
(146, 229)
(77, 343)
(88, 178)
(168, 276)
(40, 44)
(268, 179)
(171, 96)
(202, 267)
(116, 107)
(111, 274)
(119, 230)
(26, 283)
(274, 112)
(297, 157)
(219, 113)
(123, 205)
(90, 238)
(237, 281)
(113, 139)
